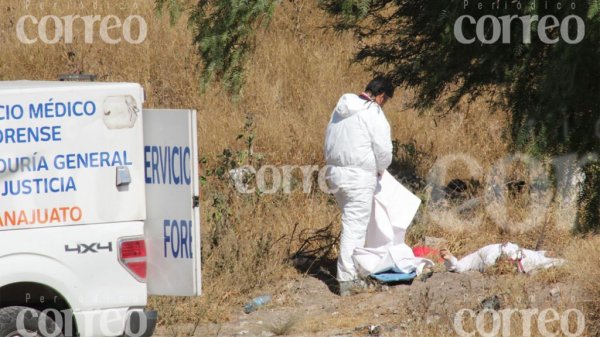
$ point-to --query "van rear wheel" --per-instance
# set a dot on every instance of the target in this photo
(27, 322)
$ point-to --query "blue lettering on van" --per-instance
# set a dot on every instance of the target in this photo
(53, 109)
(168, 165)
(177, 237)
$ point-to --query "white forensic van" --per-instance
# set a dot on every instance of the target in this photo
(98, 208)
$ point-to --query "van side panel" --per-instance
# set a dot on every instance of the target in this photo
(71, 155)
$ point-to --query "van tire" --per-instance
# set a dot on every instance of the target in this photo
(34, 319)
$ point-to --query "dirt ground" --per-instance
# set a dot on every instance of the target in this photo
(307, 306)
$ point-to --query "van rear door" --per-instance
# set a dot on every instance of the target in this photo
(61, 147)
(172, 227)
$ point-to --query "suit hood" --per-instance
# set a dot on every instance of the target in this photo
(350, 104)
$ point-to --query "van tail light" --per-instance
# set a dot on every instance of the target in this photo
(132, 255)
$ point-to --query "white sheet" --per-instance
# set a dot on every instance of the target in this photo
(394, 208)
(487, 256)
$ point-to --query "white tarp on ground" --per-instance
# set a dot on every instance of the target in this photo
(394, 208)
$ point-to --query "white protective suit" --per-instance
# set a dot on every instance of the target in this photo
(526, 260)
(358, 146)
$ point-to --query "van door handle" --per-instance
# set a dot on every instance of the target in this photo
(123, 176)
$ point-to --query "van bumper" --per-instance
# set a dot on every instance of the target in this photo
(140, 323)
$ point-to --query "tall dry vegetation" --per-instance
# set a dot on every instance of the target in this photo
(294, 79)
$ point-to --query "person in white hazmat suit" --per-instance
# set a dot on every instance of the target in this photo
(358, 148)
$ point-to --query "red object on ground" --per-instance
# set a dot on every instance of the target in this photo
(427, 252)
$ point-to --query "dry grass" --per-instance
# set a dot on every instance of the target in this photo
(294, 79)
(585, 272)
